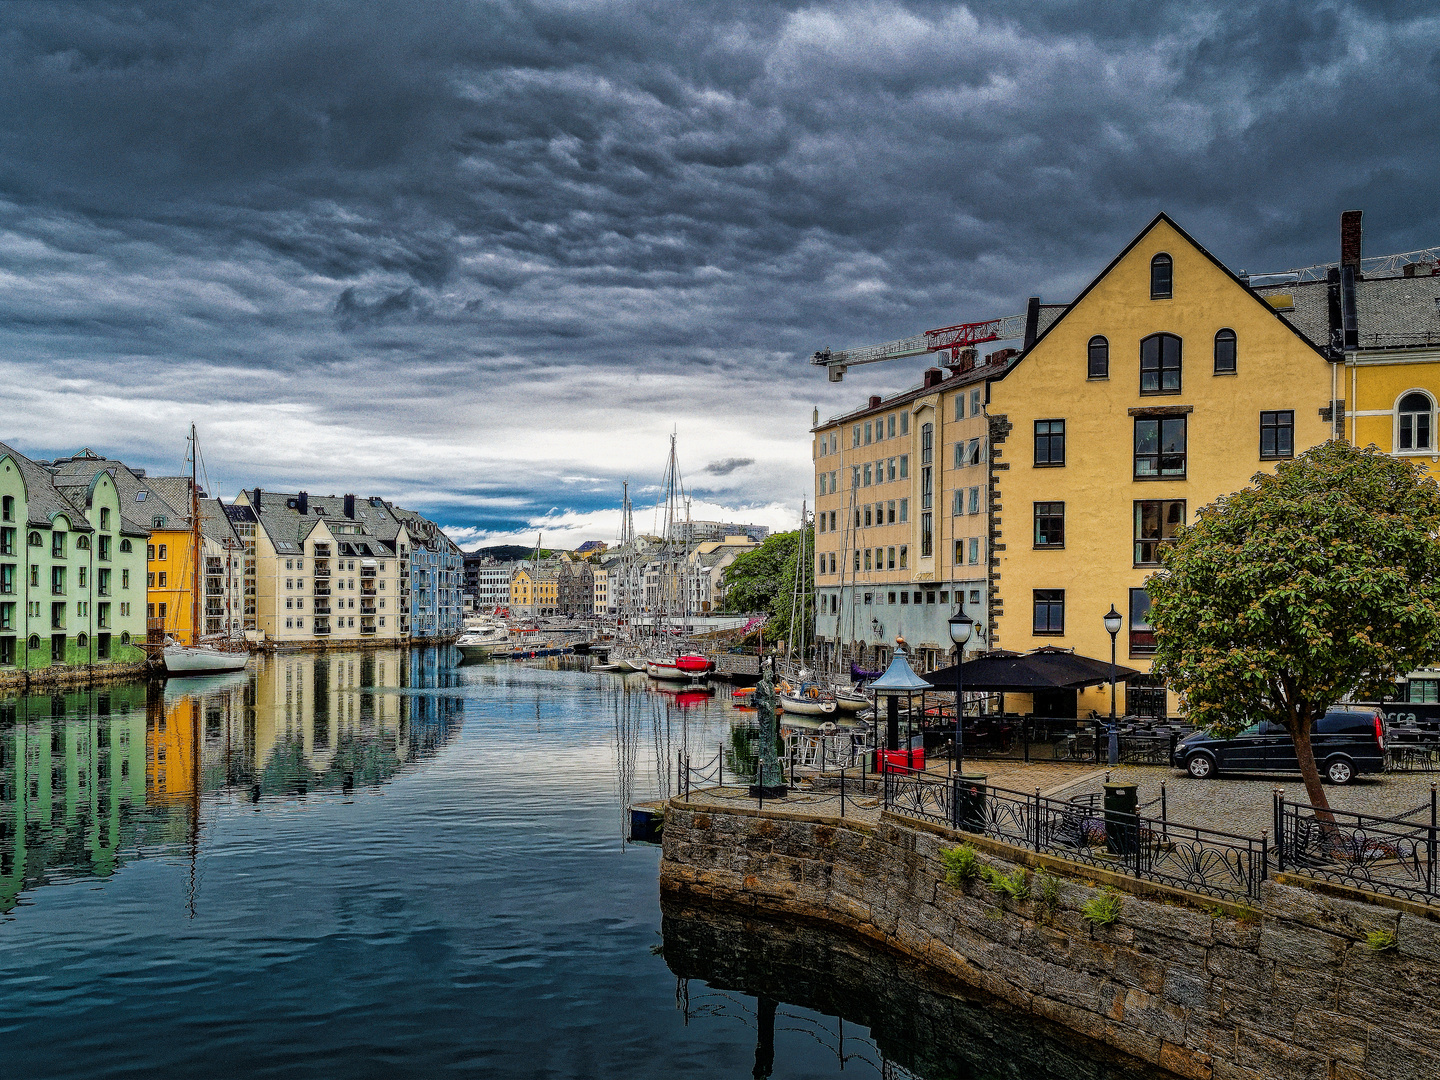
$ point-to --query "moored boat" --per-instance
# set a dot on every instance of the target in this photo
(481, 644)
(808, 701)
(202, 659)
(850, 701)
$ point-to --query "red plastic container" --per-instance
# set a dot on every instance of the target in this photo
(901, 760)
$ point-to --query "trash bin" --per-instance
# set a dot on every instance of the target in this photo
(1121, 826)
(970, 797)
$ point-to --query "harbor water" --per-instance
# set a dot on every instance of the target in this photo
(389, 864)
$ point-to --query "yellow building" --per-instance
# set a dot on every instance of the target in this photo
(1167, 383)
(535, 591)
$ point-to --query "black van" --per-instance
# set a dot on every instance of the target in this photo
(1345, 742)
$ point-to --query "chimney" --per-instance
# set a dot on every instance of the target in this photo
(1032, 321)
(1350, 240)
(933, 376)
(1001, 357)
(256, 500)
(350, 506)
(874, 401)
(302, 504)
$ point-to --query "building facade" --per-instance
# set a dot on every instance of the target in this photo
(1167, 383)
(72, 593)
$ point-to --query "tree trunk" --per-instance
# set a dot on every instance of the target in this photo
(1300, 736)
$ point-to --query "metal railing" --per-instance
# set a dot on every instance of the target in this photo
(1184, 856)
(1024, 737)
(1394, 856)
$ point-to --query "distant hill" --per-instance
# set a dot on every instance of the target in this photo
(510, 552)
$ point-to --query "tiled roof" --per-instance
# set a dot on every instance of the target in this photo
(1390, 312)
(43, 497)
(137, 497)
(216, 523)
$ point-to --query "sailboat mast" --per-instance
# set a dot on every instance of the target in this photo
(195, 541)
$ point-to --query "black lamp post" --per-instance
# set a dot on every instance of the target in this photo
(1113, 620)
(961, 627)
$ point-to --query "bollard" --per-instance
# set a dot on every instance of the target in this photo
(842, 792)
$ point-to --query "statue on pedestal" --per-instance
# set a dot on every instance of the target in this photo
(770, 777)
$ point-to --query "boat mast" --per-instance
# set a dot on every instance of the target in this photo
(195, 542)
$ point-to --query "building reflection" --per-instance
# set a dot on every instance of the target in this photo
(90, 778)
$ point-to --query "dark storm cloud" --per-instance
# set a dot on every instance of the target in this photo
(465, 252)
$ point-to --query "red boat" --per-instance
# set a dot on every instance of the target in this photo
(695, 665)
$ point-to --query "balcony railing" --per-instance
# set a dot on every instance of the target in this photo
(367, 592)
(322, 590)
(322, 627)
(367, 629)
(319, 610)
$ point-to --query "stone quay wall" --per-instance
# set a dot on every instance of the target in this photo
(1193, 986)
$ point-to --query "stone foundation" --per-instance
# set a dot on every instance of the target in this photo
(1188, 985)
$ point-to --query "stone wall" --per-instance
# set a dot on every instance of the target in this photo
(1197, 988)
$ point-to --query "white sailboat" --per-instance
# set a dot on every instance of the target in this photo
(199, 658)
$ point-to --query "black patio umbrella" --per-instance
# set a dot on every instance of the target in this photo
(1023, 673)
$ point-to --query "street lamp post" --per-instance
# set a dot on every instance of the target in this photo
(961, 627)
(1112, 620)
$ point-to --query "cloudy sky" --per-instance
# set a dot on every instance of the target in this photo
(484, 257)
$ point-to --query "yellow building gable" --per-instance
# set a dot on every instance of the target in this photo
(1126, 416)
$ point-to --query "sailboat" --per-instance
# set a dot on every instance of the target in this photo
(668, 663)
(197, 658)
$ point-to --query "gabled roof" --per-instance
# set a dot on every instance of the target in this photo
(1241, 285)
(44, 498)
(1390, 312)
(138, 497)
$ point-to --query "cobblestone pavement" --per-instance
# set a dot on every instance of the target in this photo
(1234, 804)
(1243, 804)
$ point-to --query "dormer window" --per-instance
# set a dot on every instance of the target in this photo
(1162, 277)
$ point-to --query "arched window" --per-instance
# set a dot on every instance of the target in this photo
(125, 638)
(1225, 352)
(34, 642)
(36, 540)
(1160, 364)
(1415, 422)
(1097, 365)
(82, 641)
(1162, 277)
(82, 543)
(125, 547)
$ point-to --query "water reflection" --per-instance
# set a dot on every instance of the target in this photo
(879, 1012)
(92, 778)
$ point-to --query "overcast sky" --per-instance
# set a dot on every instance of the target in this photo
(483, 257)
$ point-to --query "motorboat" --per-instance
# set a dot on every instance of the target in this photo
(201, 659)
(482, 643)
(807, 701)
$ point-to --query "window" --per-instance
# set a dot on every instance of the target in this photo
(1049, 443)
(7, 508)
(126, 547)
(959, 406)
(904, 423)
(1160, 364)
(34, 576)
(1049, 611)
(163, 583)
(1156, 523)
(904, 462)
(1414, 428)
(927, 444)
(1160, 448)
(957, 502)
(866, 480)
(124, 579)
(904, 554)
(857, 560)
(1225, 352)
(1424, 691)
(1049, 524)
(1162, 277)
(927, 535)
(867, 515)
(7, 541)
(162, 553)
(890, 558)
(1277, 434)
(1097, 364)
(81, 580)
(150, 552)
(890, 512)
(104, 549)
(974, 402)
(976, 451)
(57, 581)
(104, 517)
(867, 432)
(974, 500)
(960, 459)
(974, 550)
(1142, 634)
(57, 545)
(832, 520)
(35, 540)
(904, 510)
(890, 469)
(855, 436)
(7, 578)
(890, 427)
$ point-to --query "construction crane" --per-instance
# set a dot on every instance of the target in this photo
(949, 339)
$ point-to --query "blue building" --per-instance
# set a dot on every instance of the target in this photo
(437, 576)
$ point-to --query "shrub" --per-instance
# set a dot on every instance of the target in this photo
(962, 865)
(1049, 892)
(1103, 909)
(1015, 886)
(1380, 940)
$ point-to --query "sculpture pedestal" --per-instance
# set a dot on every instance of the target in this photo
(768, 791)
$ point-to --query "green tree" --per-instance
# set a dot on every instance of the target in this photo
(1319, 582)
(763, 580)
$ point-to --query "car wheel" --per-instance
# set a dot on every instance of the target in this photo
(1339, 771)
(1200, 767)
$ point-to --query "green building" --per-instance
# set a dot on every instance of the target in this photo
(72, 571)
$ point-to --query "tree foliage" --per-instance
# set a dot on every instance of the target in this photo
(763, 580)
(1317, 583)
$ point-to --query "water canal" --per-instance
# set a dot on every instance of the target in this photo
(385, 864)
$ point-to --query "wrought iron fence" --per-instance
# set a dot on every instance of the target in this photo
(1393, 856)
(1185, 856)
(1038, 738)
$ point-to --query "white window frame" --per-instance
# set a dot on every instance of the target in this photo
(1429, 451)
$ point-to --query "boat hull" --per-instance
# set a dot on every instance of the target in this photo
(851, 705)
(667, 672)
(806, 706)
(185, 660)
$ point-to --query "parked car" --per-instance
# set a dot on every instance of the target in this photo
(1345, 742)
